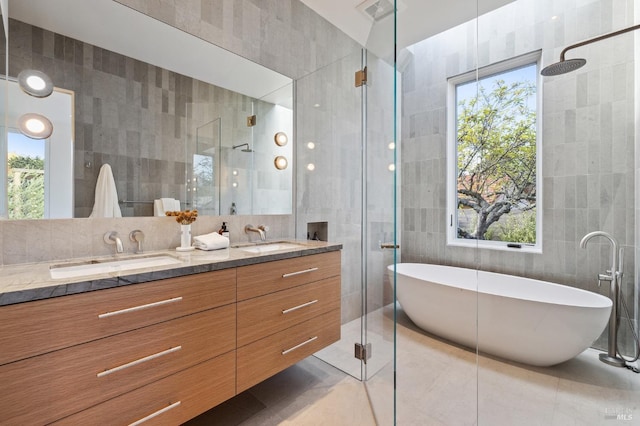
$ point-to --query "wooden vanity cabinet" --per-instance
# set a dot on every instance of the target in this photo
(114, 341)
(170, 401)
(164, 351)
(287, 310)
(60, 322)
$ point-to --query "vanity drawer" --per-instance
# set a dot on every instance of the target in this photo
(262, 316)
(173, 400)
(266, 357)
(264, 278)
(33, 328)
(50, 386)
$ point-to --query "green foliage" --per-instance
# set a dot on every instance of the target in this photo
(496, 154)
(22, 162)
(519, 227)
(25, 187)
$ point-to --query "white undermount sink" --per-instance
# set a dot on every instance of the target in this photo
(103, 266)
(269, 247)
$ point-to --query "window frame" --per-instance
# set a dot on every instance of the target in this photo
(452, 153)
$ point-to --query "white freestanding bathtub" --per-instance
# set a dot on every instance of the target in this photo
(519, 319)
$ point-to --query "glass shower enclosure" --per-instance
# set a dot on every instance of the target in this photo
(583, 169)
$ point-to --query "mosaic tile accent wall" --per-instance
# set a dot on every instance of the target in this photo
(588, 140)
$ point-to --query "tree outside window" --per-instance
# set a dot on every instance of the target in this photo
(25, 178)
(496, 157)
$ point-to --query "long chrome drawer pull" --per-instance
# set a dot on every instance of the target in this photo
(141, 307)
(157, 413)
(295, 308)
(291, 274)
(300, 345)
(138, 361)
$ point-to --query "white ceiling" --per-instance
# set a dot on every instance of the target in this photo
(417, 19)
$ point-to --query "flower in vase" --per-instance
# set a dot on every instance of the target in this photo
(186, 217)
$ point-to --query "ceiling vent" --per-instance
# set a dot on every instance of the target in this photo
(376, 9)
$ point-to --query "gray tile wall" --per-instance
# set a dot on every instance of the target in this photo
(27, 241)
(128, 114)
(284, 35)
(329, 110)
(588, 140)
(328, 114)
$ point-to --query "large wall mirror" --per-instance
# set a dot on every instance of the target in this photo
(180, 121)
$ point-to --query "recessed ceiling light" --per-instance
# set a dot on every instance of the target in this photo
(35, 126)
(35, 83)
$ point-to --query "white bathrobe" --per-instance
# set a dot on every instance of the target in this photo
(106, 199)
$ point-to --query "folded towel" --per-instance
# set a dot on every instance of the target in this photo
(170, 204)
(212, 241)
(157, 208)
(163, 205)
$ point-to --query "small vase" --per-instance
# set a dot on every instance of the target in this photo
(185, 238)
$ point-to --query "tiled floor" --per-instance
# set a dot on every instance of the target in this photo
(439, 384)
(309, 393)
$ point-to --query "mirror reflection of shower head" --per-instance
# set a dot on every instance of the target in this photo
(247, 149)
(568, 65)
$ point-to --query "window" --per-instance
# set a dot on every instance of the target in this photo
(493, 190)
(25, 177)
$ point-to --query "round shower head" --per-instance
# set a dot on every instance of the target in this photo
(563, 67)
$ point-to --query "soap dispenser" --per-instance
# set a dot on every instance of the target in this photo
(223, 230)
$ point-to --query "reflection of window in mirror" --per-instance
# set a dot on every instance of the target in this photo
(26, 176)
(205, 197)
(25, 192)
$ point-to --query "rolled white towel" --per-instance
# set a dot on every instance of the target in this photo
(212, 241)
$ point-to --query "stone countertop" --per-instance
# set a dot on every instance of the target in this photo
(28, 282)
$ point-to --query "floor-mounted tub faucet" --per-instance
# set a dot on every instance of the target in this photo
(614, 276)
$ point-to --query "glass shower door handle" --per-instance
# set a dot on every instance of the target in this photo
(384, 246)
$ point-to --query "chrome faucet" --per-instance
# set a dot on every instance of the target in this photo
(615, 273)
(614, 276)
(137, 236)
(112, 238)
(262, 230)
